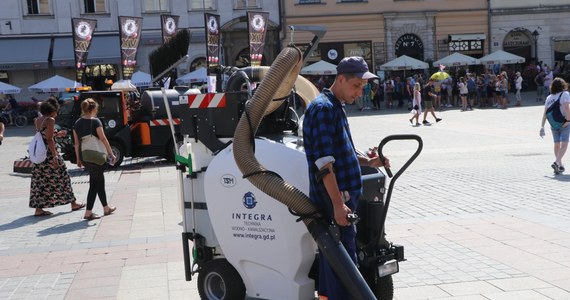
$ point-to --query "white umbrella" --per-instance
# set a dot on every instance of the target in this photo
(456, 59)
(319, 68)
(141, 79)
(196, 76)
(53, 84)
(9, 89)
(123, 85)
(501, 57)
(567, 57)
(404, 63)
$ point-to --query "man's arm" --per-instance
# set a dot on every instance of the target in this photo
(340, 210)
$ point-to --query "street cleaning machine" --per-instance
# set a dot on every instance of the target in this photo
(244, 185)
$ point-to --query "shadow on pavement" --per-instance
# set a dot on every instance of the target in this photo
(24, 221)
(65, 228)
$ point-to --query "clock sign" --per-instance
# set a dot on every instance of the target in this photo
(84, 30)
(130, 28)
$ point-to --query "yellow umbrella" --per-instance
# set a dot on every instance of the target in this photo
(439, 76)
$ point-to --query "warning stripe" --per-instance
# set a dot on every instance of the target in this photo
(210, 100)
(163, 122)
(23, 163)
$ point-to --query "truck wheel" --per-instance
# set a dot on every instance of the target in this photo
(119, 152)
(219, 280)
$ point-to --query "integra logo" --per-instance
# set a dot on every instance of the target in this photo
(249, 200)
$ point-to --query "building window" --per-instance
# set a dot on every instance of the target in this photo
(155, 5)
(38, 7)
(94, 6)
(310, 1)
(202, 4)
(473, 46)
(243, 4)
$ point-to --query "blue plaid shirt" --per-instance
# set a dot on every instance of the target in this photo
(326, 133)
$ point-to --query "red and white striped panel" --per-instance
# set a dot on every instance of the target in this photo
(23, 166)
(163, 122)
(210, 100)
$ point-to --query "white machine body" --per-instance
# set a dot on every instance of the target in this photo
(258, 234)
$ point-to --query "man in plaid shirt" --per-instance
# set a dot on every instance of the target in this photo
(328, 145)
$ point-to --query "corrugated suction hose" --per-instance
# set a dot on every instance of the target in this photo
(277, 83)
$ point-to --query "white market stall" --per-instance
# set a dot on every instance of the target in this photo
(141, 79)
(319, 68)
(9, 89)
(55, 84)
(196, 76)
(501, 57)
(456, 59)
(404, 62)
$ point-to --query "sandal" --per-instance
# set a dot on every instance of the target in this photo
(110, 211)
(44, 213)
(92, 217)
(79, 206)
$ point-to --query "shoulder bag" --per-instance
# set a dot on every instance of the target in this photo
(92, 149)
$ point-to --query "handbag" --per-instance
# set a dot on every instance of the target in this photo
(93, 150)
(37, 148)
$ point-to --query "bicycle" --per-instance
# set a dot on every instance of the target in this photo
(19, 119)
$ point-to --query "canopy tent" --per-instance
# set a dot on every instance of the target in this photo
(141, 79)
(196, 76)
(53, 84)
(9, 89)
(123, 85)
(501, 57)
(404, 63)
(319, 68)
(456, 59)
(567, 57)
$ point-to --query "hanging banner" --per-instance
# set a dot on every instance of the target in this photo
(212, 39)
(130, 34)
(169, 24)
(257, 27)
(82, 34)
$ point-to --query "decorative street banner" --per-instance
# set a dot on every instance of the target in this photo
(82, 34)
(212, 22)
(257, 27)
(169, 24)
(130, 37)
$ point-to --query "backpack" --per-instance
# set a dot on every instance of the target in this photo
(554, 115)
(37, 149)
(471, 85)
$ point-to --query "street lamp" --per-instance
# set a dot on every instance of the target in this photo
(535, 35)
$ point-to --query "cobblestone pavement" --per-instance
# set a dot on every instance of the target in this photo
(480, 214)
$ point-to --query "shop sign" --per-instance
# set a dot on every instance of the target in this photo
(516, 39)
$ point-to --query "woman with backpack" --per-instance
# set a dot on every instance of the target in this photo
(558, 93)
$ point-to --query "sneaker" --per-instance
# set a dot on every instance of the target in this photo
(561, 168)
(411, 121)
(556, 168)
(437, 119)
(425, 122)
(418, 124)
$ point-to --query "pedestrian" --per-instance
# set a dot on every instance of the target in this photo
(463, 91)
(84, 126)
(329, 149)
(558, 90)
(2, 128)
(548, 78)
(50, 185)
(12, 109)
(389, 88)
(518, 88)
(539, 81)
(417, 104)
(432, 95)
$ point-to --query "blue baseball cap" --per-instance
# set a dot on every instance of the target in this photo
(354, 65)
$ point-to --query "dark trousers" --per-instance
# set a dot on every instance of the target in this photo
(96, 185)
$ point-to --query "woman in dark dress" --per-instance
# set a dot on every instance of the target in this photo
(51, 185)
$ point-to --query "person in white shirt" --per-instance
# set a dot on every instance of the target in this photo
(558, 90)
(518, 88)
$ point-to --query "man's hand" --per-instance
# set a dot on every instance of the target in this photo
(377, 163)
(340, 215)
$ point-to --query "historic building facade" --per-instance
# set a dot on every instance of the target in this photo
(386, 29)
(36, 42)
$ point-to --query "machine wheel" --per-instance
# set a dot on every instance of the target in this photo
(119, 152)
(219, 280)
(382, 287)
(20, 121)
